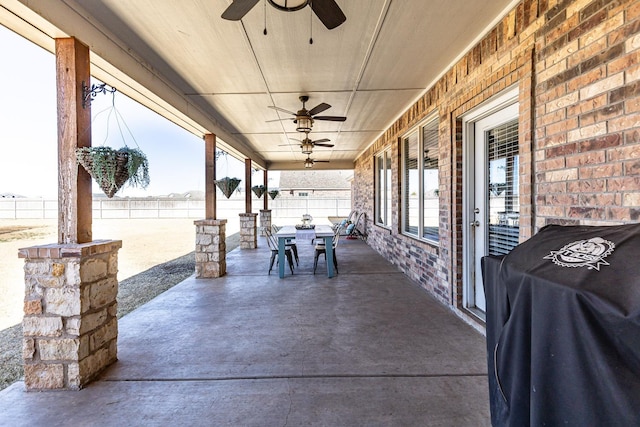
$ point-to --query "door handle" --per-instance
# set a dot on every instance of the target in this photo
(475, 223)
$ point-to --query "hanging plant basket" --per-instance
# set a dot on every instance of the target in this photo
(227, 185)
(258, 190)
(112, 168)
(273, 194)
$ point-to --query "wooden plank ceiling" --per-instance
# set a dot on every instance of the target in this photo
(181, 59)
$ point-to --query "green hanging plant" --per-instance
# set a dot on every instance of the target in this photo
(258, 190)
(112, 168)
(227, 185)
(273, 194)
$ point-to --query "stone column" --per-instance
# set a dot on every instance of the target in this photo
(248, 236)
(211, 249)
(70, 326)
(265, 219)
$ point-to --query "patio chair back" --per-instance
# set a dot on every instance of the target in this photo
(272, 242)
(322, 250)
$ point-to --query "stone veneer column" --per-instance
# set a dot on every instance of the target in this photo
(248, 236)
(70, 326)
(211, 249)
(265, 220)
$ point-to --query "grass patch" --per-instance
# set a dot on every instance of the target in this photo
(18, 232)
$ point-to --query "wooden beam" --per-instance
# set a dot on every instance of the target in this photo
(265, 201)
(247, 181)
(74, 130)
(210, 176)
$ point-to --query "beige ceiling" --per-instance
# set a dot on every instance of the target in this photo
(208, 74)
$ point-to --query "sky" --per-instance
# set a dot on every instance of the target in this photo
(28, 135)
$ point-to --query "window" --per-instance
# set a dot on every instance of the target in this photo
(383, 188)
(303, 194)
(420, 191)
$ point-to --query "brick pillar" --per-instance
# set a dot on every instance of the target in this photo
(70, 326)
(265, 220)
(248, 236)
(211, 249)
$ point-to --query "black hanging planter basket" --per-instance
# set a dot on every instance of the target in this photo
(227, 185)
(112, 168)
(258, 190)
(273, 194)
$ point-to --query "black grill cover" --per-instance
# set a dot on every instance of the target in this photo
(563, 328)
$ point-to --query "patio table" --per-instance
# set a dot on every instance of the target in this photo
(321, 231)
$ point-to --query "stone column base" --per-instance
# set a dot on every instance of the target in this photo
(248, 236)
(70, 326)
(211, 249)
(265, 220)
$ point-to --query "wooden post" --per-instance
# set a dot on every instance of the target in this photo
(247, 181)
(266, 188)
(210, 176)
(211, 250)
(74, 130)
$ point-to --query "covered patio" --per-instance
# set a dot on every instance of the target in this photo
(366, 347)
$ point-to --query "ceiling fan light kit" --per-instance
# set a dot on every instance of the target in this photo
(304, 124)
(307, 147)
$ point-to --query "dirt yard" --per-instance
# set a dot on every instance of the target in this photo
(145, 243)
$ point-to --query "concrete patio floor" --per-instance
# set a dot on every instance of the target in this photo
(365, 348)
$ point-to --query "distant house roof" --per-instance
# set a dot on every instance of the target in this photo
(10, 196)
(193, 194)
(316, 180)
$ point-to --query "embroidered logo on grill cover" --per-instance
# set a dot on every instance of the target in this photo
(588, 253)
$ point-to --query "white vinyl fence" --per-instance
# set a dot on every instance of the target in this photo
(283, 210)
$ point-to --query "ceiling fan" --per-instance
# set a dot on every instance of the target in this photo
(309, 162)
(307, 144)
(327, 11)
(304, 118)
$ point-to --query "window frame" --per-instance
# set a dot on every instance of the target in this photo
(382, 195)
(431, 121)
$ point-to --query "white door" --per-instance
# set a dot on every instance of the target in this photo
(491, 194)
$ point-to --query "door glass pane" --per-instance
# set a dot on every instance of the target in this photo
(431, 196)
(503, 188)
(411, 184)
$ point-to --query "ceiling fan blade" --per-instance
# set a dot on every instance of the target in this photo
(279, 120)
(238, 9)
(319, 109)
(323, 145)
(321, 161)
(331, 118)
(328, 12)
(281, 109)
(321, 140)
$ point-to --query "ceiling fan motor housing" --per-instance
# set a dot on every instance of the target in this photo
(289, 5)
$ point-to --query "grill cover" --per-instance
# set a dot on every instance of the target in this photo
(563, 328)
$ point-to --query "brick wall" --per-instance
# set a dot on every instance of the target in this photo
(587, 122)
(575, 66)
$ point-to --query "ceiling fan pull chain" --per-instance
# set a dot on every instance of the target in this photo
(265, 18)
(310, 23)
